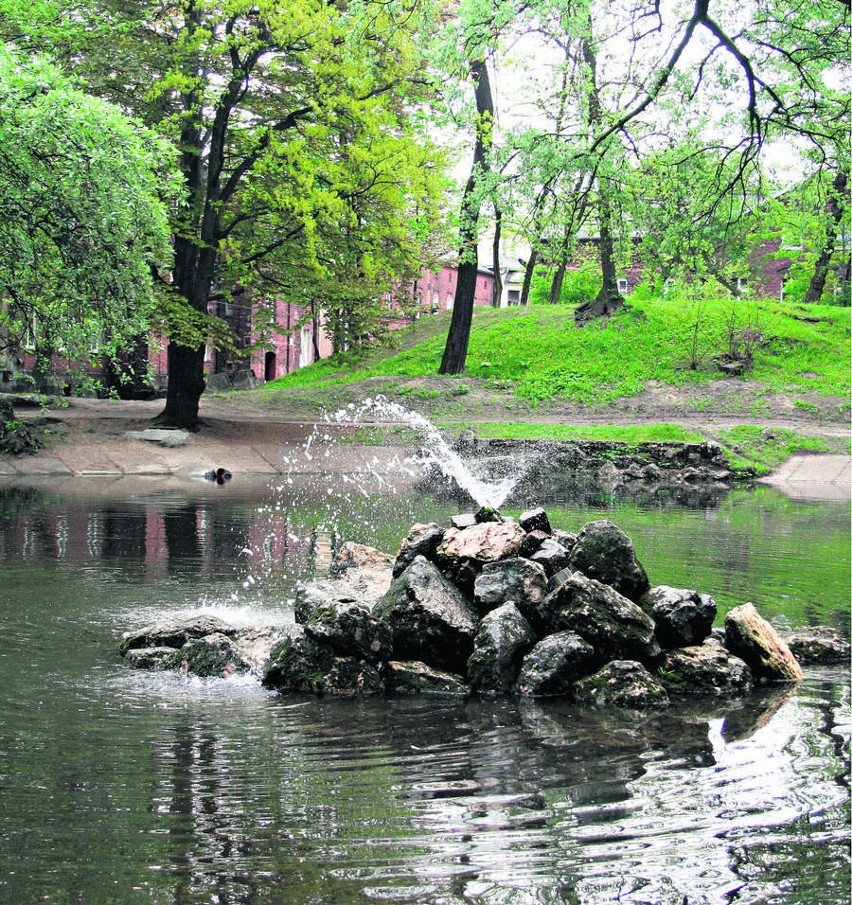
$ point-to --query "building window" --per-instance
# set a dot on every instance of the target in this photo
(514, 296)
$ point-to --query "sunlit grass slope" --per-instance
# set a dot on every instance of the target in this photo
(540, 353)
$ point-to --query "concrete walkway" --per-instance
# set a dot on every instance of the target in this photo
(815, 476)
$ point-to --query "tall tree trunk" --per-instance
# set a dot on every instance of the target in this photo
(608, 299)
(556, 283)
(497, 292)
(816, 287)
(455, 351)
(528, 275)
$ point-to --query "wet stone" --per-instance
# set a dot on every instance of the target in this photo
(504, 637)
(213, 656)
(707, 669)
(682, 617)
(429, 618)
(162, 658)
(604, 552)
(819, 645)
(554, 664)
(415, 677)
(174, 633)
(621, 683)
(753, 639)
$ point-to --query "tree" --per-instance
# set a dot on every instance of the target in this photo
(297, 145)
(83, 216)
(455, 350)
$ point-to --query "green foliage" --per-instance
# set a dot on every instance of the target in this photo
(578, 286)
(83, 215)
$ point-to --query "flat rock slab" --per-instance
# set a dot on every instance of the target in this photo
(161, 436)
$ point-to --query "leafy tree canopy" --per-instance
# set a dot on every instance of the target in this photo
(83, 214)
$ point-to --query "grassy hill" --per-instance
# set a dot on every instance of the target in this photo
(540, 354)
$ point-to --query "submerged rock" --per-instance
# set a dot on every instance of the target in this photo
(504, 637)
(429, 617)
(621, 683)
(750, 637)
(682, 617)
(819, 645)
(604, 552)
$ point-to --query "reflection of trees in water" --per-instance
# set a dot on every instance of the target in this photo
(182, 541)
(125, 536)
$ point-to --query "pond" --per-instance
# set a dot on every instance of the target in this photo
(123, 786)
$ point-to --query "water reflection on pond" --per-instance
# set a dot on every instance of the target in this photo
(131, 787)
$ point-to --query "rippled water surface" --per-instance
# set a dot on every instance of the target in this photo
(123, 786)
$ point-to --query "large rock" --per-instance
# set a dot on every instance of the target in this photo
(213, 656)
(422, 540)
(514, 580)
(414, 677)
(359, 574)
(429, 617)
(604, 552)
(462, 553)
(554, 664)
(298, 663)
(621, 683)
(819, 645)
(504, 637)
(706, 669)
(350, 677)
(751, 638)
(351, 629)
(174, 632)
(535, 520)
(682, 617)
(551, 556)
(255, 644)
(615, 627)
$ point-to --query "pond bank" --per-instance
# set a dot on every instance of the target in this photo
(89, 438)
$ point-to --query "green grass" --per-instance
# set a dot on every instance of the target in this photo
(542, 355)
(632, 435)
(750, 446)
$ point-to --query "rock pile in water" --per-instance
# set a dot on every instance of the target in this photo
(492, 606)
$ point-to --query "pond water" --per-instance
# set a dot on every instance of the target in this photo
(123, 786)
